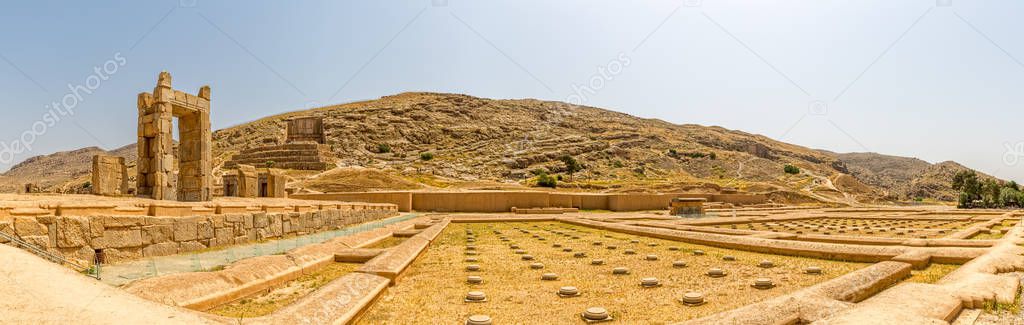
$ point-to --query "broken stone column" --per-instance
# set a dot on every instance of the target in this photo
(109, 176)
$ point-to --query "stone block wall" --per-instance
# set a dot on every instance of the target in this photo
(123, 238)
(109, 176)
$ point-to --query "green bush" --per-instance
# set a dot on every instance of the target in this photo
(383, 148)
(790, 169)
(426, 156)
(545, 180)
(618, 164)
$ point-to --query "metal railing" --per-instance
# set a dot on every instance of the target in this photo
(55, 258)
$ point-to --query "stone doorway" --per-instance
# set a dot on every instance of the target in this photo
(158, 176)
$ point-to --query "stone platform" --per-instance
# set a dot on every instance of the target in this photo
(300, 156)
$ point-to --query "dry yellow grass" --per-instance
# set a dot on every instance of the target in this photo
(268, 302)
(433, 288)
(387, 242)
(931, 274)
(993, 235)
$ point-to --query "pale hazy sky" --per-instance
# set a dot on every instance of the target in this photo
(934, 80)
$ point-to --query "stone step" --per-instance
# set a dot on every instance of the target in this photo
(290, 146)
(262, 160)
(288, 165)
(278, 153)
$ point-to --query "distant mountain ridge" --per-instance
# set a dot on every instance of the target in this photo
(477, 140)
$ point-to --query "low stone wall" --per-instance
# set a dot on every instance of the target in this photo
(122, 238)
(504, 201)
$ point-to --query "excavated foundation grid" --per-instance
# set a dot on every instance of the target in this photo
(507, 255)
(517, 269)
(874, 227)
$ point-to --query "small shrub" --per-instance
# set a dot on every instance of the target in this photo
(270, 163)
(87, 185)
(559, 178)
(426, 156)
(673, 153)
(618, 164)
(383, 148)
(545, 180)
(713, 156)
(790, 169)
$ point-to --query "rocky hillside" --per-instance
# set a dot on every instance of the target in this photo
(484, 143)
(53, 172)
(905, 178)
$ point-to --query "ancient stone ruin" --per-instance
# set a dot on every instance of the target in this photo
(250, 182)
(157, 176)
(306, 129)
(688, 206)
(304, 149)
(109, 176)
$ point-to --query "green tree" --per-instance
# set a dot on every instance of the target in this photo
(990, 192)
(571, 166)
(426, 156)
(969, 186)
(1008, 197)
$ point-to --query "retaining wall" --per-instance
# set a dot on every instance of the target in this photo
(504, 201)
(124, 238)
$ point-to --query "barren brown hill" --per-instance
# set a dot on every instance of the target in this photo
(484, 143)
(55, 170)
(905, 178)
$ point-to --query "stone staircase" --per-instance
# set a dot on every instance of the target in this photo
(301, 156)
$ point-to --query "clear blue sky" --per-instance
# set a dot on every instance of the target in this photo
(937, 81)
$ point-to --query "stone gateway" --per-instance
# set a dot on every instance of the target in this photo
(157, 176)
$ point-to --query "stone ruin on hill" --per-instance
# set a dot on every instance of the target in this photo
(304, 149)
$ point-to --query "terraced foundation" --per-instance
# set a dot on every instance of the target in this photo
(269, 302)
(516, 294)
(885, 228)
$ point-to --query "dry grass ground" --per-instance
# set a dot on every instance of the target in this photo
(437, 280)
(387, 243)
(932, 273)
(268, 302)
